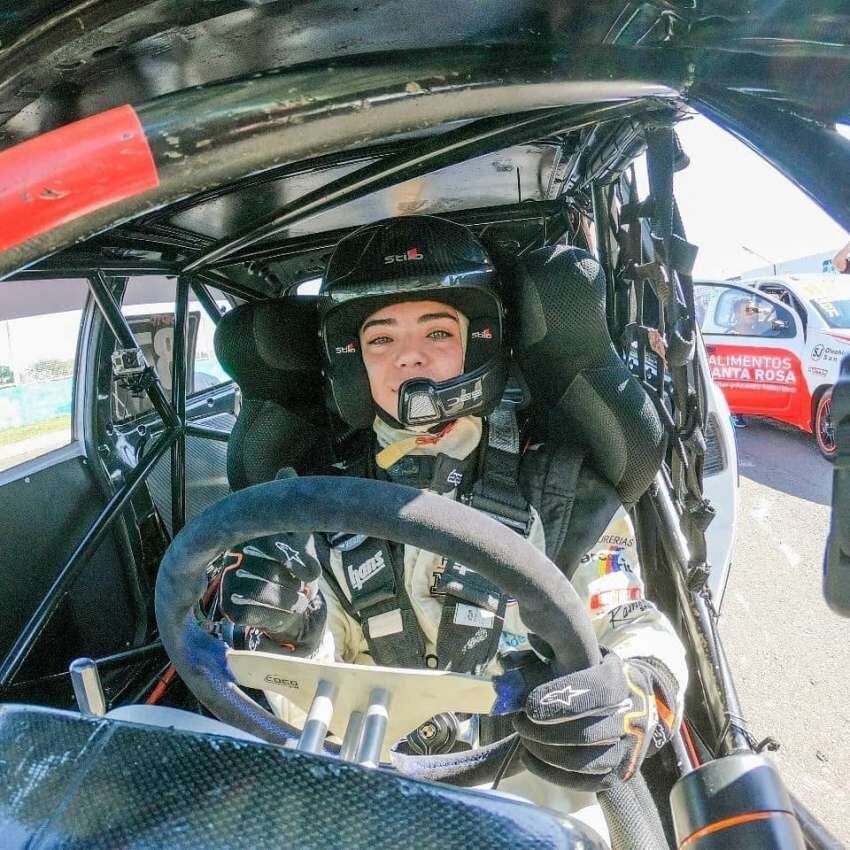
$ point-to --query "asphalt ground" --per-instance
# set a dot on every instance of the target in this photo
(790, 654)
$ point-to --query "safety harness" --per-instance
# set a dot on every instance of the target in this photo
(675, 370)
(368, 574)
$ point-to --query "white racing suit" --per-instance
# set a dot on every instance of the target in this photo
(608, 580)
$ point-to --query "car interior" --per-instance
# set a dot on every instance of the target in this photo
(189, 267)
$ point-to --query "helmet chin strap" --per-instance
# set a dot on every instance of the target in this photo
(390, 420)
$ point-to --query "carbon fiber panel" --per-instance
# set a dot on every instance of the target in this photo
(206, 472)
(714, 460)
(74, 783)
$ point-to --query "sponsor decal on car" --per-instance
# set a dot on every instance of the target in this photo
(817, 370)
(752, 368)
(762, 381)
(827, 353)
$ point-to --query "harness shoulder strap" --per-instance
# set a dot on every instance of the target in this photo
(369, 581)
(474, 608)
(497, 492)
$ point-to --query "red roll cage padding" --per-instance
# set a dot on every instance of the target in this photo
(71, 171)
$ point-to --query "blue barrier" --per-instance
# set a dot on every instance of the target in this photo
(27, 404)
(31, 403)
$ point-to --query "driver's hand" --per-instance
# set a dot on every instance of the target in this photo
(271, 585)
(594, 727)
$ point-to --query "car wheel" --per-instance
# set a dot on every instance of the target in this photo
(824, 431)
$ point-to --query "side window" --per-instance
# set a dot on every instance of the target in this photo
(39, 333)
(309, 287)
(780, 293)
(703, 296)
(148, 304)
(743, 313)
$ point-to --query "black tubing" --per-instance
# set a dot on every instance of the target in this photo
(548, 603)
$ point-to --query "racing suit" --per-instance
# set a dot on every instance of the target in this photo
(607, 578)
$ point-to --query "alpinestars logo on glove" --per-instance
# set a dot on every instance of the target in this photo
(361, 574)
(288, 552)
(563, 696)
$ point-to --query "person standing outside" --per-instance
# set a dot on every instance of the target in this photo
(841, 260)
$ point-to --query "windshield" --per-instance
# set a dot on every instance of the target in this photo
(835, 311)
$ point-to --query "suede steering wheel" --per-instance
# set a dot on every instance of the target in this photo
(548, 604)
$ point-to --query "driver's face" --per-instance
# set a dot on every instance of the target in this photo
(412, 339)
(746, 313)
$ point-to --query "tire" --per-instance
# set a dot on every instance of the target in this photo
(824, 431)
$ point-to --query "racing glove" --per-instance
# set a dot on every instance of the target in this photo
(270, 586)
(594, 727)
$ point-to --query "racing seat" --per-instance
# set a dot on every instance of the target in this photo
(583, 396)
(270, 348)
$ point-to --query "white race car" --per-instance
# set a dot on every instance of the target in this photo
(775, 346)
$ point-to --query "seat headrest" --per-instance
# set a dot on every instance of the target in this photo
(271, 349)
(578, 382)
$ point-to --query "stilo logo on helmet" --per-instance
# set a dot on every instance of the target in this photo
(408, 256)
(412, 258)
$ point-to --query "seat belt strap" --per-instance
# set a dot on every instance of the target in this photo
(497, 492)
(379, 601)
(473, 613)
(471, 620)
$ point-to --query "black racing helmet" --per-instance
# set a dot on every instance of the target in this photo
(412, 258)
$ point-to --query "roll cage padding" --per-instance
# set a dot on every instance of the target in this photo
(580, 386)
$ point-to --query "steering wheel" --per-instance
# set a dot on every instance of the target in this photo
(548, 604)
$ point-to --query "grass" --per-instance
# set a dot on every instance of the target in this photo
(23, 432)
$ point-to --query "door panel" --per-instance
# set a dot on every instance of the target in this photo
(46, 514)
(206, 472)
(49, 497)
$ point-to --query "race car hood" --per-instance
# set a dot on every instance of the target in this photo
(61, 62)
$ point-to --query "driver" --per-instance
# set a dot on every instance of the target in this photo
(411, 327)
(745, 318)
